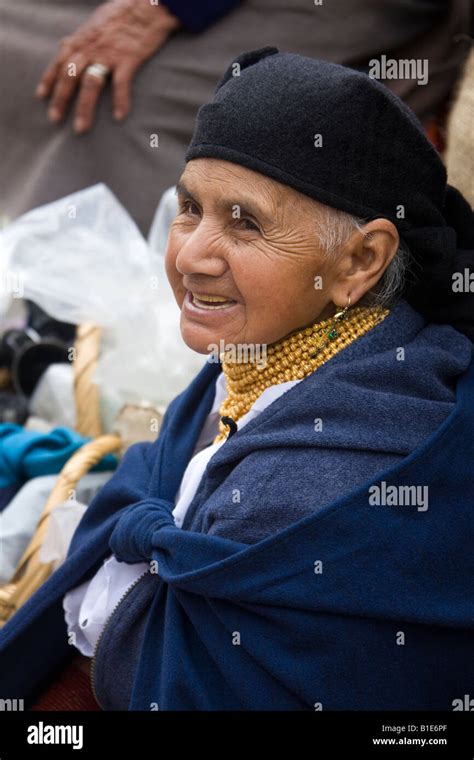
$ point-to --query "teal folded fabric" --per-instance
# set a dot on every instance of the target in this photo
(25, 454)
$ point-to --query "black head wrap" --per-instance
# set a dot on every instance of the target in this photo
(340, 137)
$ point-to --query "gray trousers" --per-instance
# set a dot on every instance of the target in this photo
(41, 162)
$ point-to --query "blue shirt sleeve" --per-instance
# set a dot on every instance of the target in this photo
(196, 15)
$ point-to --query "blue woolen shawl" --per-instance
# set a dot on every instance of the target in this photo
(387, 624)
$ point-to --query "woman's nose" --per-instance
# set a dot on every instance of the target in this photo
(202, 253)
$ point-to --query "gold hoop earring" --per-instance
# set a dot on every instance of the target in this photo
(339, 315)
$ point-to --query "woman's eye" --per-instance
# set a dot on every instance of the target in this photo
(189, 207)
(248, 224)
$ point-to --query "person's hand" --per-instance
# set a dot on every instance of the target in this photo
(120, 35)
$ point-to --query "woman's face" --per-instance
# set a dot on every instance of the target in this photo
(245, 238)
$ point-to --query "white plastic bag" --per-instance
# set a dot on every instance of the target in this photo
(83, 259)
(62, 524)
(160, 225)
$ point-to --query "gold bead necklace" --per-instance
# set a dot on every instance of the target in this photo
(291, 358)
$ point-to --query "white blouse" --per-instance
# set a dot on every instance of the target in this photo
(88, 606)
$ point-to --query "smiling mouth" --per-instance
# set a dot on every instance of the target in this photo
(211, 302)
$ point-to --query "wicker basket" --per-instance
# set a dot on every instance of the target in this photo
(31, 573)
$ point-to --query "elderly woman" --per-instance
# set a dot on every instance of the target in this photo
(300, 534)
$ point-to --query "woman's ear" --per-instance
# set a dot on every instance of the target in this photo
(363, 260)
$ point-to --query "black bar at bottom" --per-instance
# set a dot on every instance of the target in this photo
(115, 735)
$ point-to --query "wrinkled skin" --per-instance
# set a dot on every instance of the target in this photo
(122, 35)
(266, 260)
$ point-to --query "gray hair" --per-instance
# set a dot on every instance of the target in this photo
(334, 228)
